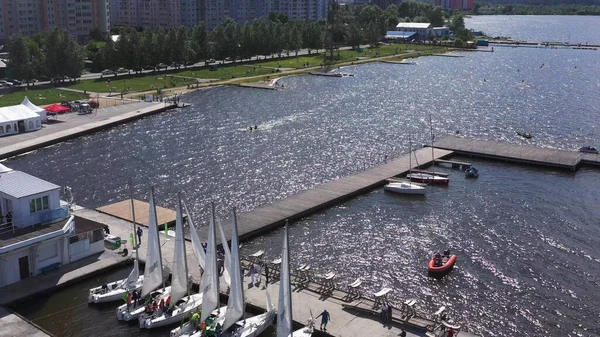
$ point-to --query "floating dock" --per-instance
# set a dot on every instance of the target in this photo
(319, 73)
(122, 210)
(257, 85)
(513, 153)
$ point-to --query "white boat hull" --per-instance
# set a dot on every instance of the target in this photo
(115, 291)
(133, 313)
(256, 325)
(405, 188)
(187, 330)
(180, 311)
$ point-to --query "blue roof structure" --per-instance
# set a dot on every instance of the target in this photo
(399, 35)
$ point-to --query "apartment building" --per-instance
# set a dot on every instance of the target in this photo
(28, 17)
(189, 13)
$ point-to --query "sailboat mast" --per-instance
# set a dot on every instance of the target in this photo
(214, 218)
(289, 284)
(184, 252)
(134, 243)
(157, 234)
(242, 280)
(432, 157)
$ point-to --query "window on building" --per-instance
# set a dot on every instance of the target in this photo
(97, 235)
(39, 204)
(1, 129)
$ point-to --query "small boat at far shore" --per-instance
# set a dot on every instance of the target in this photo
(588, 149)
(440, 265)
(525, 134)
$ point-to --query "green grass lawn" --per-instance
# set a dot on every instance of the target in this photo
(225, 72)
(142, 83)
(40, 96)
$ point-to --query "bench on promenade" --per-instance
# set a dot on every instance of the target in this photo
(381, 296)
(354, 289)
(408, 308)
(50, 267)
(303, 274)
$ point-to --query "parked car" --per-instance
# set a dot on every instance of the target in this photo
(108, 72)
(44, 78)
(228, 58)
(6, 83)
(15, 82)
(122, 70)
(161, 65)
(94, 104)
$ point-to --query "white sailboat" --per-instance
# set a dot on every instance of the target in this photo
(284, 307)
(180, 306)
(196, 243)
(224, 317)
(254, 326)
(430, 178)
(115, 291)
(153, 275)
(406, 187)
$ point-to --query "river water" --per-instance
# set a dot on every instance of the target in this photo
(525, 236)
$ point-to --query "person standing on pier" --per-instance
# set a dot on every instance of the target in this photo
(389, 314)
(384, 313)
(325, 318)
(139, 235)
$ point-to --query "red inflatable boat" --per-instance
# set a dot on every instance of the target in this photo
(440, 265)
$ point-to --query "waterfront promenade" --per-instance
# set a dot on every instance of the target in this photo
(305, 299)
(71, 125)
(13, 325)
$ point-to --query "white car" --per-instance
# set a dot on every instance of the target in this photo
(108, 72)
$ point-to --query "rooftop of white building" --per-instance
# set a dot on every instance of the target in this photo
(414, 25)
(19, 184)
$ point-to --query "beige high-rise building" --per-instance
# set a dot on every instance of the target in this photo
(146, 13)
(28, 17)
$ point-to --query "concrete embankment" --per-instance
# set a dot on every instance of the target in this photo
(72, 126)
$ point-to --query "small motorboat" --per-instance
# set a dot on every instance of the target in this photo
(428, 178)
(525, 134)
(588, 149)
(440, 265)
(471, 172)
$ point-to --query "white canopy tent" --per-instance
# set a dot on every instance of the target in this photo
(25, 117)
(40, 111)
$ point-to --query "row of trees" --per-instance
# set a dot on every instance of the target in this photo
(55, 54)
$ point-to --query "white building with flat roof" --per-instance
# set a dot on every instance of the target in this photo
(36, 233)
(425, 30)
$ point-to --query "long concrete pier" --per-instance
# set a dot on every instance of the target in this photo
(297, 206)
(70, 126)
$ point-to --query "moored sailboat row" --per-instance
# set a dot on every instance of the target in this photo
(177, 303)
